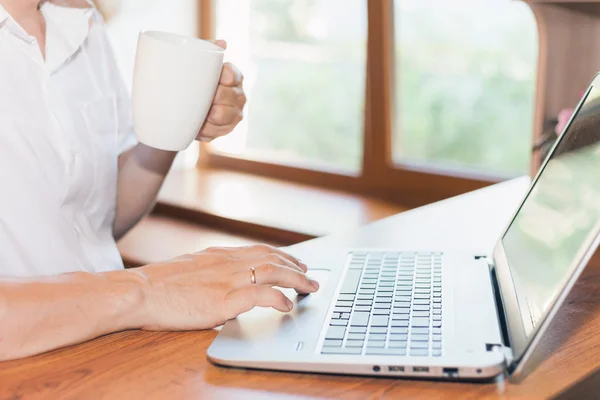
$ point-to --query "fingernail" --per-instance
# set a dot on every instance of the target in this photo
(302, 264)
(290, 305)
(315, 284)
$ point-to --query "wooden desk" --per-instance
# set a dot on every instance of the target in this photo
(145, 365)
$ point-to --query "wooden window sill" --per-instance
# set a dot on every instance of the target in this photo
(267, 208)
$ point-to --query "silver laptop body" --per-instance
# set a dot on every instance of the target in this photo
(432, 314)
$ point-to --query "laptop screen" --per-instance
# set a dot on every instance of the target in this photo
(557, 222)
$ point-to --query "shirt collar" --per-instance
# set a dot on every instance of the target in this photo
(67, 29)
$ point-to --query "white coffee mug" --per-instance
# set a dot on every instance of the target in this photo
(174, 82)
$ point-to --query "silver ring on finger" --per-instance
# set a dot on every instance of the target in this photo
(252, 276)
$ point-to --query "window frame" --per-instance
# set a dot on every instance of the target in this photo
(410, 185)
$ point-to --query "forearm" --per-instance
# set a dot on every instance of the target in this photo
(142, 171)
(39, 315)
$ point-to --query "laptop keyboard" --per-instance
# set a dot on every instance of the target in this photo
(390, 303)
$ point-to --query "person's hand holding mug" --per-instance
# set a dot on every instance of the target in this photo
(227, 106)
(182, 91)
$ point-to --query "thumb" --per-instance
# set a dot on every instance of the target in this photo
(220, 43)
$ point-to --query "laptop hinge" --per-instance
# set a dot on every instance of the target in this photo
(506, 347)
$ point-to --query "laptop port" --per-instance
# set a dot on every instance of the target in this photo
(395, 368)
(420, 369)
(450, 372)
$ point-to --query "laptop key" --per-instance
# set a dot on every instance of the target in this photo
(342, 309)
(362, 308)
(396, 330)
(345, 316)
(398, 337)
(357, 329)
(398, 345)
(420, 314)
(385, 306)
(400, 323)
(354, 343)
(379, 320)
(436, 331)
(420, 322)
(381, 311)
(375, 344)
(346, 297)
(360, 319)
(436, 338)
(420, 331)
(419, 338)
(377, 337)
(437, 345)
(335, 332)
(344, 303)
(377, 329)
(356, 336)
(419, 352)
(333, 343)
(367, 285)
(351, 281)
(339, 322)
(341, 350)
(436, 352)
(386, 352)
(436, 324)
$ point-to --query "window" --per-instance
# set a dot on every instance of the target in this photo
(449, 92)
(465, 82)
(408, 100)
(304, 72)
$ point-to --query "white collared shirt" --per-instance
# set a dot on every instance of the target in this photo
(63, 123)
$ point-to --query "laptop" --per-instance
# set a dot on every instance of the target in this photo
(444, 315)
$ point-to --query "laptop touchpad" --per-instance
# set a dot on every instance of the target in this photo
(262, 324)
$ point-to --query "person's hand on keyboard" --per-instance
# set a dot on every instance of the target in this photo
(206, 289)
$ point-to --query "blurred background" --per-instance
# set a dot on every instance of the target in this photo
(464, 84)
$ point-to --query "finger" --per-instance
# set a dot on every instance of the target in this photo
(210, 132)
(274, 258)
(220, 43)
(261, 250)
(230, 96)
(231, 75)
(242, 300)
(266, 249)
(221, 115)
(277, 275)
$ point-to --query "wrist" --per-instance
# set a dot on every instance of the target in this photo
(128, 299)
